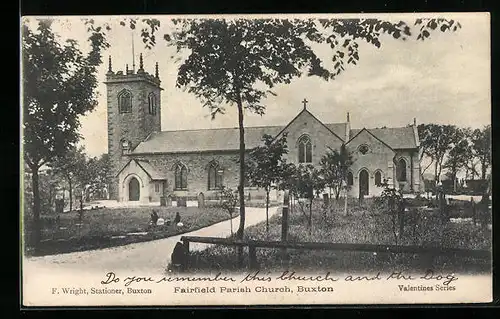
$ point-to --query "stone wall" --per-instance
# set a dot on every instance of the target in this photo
(134, 126)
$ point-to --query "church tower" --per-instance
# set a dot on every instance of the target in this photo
(134, 112)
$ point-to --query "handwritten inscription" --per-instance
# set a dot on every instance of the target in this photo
(285, 276)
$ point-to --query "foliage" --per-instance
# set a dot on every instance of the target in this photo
(229, 201)
(108, 227)
(266, 165)
(481, 145)
(59, 83)
(334, 169)
(436, 141)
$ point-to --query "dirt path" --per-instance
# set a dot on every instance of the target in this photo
(152, 256)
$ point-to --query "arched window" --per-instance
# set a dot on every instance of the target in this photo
(152, 103)
(125, 101)
(401, 170)
(378, 178)
(180, 177)
(215, 174)
(350, 179)
(305, 149)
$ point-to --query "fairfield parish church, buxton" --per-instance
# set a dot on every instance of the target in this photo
(147, 163)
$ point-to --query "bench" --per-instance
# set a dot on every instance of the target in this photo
(254, 244)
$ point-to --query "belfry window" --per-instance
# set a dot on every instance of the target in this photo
(125, 101)
(305, 149)
(152, 103)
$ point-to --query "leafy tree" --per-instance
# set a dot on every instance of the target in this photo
(334, 169)
(457, 159)
(309, 183)
(229, 201)
(481, 145)
(71, 166)
(59, 83)
(237, 61)
(265, 167)
(96, 170)
(436, 141)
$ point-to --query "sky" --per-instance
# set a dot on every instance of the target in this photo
(445, 80)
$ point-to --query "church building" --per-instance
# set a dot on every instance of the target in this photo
(147, 163)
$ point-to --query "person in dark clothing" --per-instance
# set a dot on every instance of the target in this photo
(154, 218)
(177, 218)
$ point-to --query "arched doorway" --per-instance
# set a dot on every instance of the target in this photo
(133, 190)
(363, 183)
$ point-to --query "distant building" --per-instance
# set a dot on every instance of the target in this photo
(147, 163)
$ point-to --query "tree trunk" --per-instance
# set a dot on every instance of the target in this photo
(345, 203)
(70, 190)
(310, 216)
(241, 189)
(267, 211)
(36, 230)
(483, 170)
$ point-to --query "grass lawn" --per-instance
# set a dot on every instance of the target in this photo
(108, 227)
(365, 224)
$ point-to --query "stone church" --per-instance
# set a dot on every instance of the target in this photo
(147, 163)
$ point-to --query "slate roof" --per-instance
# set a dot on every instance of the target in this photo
(395, 137)
(221, 139)
(227, 139)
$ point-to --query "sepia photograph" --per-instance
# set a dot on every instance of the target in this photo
(180, 160)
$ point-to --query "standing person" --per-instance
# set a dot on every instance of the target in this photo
(177, 218)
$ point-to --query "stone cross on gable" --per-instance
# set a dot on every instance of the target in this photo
(305, 102)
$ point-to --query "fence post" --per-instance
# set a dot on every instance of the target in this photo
(252, 257)
(284, 217)
(185, 243)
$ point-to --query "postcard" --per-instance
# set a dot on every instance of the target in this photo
(193, 160)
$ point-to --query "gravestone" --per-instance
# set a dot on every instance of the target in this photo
(181, 201)
(160, 222)
(201, 200)
(326, 199)
(59, 206)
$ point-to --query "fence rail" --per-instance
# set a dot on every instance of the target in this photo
(253, 244)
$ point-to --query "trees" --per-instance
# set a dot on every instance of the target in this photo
(334, 165)
(481, 145)
(238, 61)
(436, 141)
(72, 167)
(229, 201)
(266, 166)
(309, 183)
(457, 159)
(59, 83)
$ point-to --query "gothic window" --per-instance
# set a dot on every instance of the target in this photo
(305, 149)
(180, 177)
(157, 188)
(401, 170)
(350, 179)
(152, 103)
(363, 149)
(215, 175)
(125, 101)
(378, 178)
